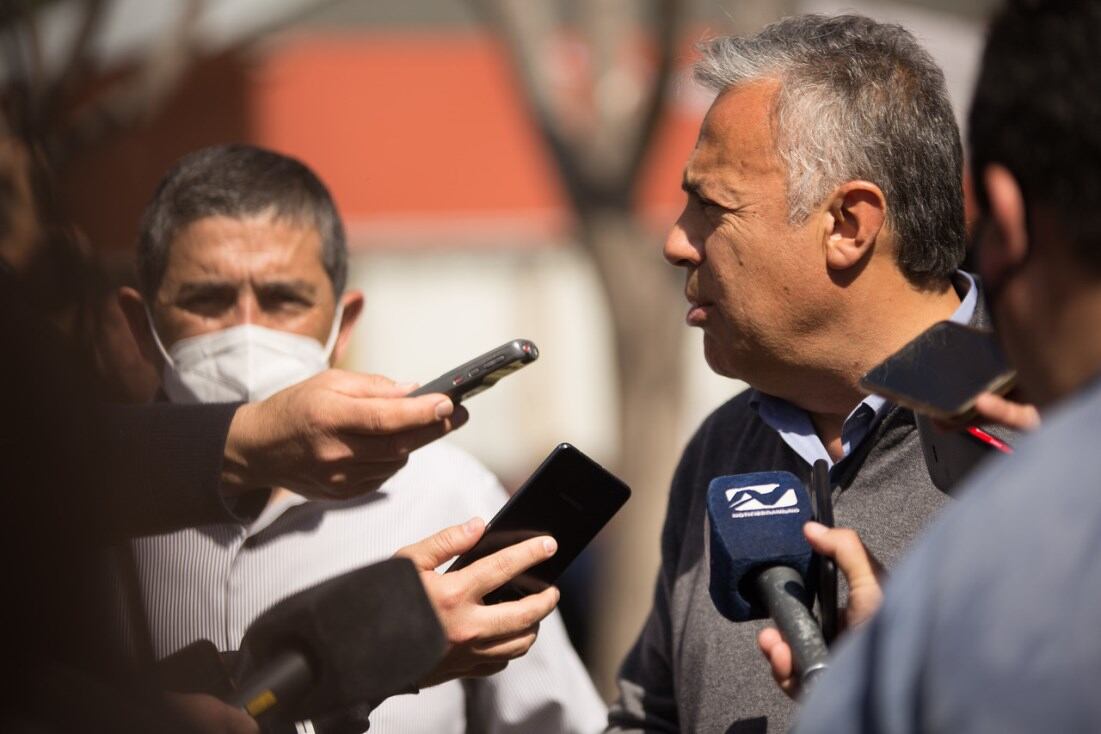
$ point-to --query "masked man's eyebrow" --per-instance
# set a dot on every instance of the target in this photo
(292, 285)
(205, 287)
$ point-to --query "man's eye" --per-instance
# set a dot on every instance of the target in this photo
(207, 302)
(712, 207)
(285, 300)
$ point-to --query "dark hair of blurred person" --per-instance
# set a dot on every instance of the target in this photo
(1053, 147)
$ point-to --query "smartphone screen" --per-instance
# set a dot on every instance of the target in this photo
(942, 371)
(569, 497)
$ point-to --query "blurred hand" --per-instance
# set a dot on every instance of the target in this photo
(208, 714)
(862, 572)
(482, 638)
(336, 435)
(993, 408)
(996, 409)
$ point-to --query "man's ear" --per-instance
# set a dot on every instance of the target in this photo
(353, 308)
(854, 220)
(133, 308)
(1005, 246)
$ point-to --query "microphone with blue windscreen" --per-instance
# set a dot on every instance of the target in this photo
(759, 559)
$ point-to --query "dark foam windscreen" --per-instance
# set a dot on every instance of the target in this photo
(756, 521)
(367, 634)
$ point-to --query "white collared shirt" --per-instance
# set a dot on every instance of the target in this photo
(211, 582)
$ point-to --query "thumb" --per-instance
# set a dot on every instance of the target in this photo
(429, 553)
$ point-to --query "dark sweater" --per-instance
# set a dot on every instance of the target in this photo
(692, 670)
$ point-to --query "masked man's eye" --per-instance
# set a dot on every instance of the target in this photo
(208, 302)
(283, 299)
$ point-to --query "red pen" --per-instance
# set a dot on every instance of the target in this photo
(989, 440)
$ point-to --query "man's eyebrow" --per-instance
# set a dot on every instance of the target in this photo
(202, 287)
(296, 285)
(723, 195)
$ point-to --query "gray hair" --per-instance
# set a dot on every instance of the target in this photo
(859, 99)
(237, 181)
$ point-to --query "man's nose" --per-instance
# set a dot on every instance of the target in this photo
(679, 249)
(247, 310)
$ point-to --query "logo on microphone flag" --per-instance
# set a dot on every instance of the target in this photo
(762, 499)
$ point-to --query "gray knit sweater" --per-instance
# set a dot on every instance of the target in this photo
(692, 670)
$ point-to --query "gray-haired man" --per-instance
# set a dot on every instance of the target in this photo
(823, 230)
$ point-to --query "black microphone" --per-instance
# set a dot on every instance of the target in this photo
(354, 639)
(759, 559)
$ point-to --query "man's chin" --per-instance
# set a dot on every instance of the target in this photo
(720, 360)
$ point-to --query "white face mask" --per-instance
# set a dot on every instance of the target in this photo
(246, 362)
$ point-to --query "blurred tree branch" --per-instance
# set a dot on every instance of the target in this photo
(604, 159)
(63, 109)
(599, 157)
(43, 106)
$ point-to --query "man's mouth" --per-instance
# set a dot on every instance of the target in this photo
(697, 312)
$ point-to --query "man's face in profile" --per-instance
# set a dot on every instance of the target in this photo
(749, 268)
(261, 270)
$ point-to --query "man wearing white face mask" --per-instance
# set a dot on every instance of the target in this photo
(245, 362)
(242, 263)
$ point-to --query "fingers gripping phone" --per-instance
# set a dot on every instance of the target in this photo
(569, 497)
(482, 372)
(942, 371)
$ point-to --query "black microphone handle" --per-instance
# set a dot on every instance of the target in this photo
(283, 679)
(783, 591)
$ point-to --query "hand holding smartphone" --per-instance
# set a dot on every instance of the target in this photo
(939, 375)
(569, 497)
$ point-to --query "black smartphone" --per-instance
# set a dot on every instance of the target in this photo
(951, 455)
(482, 372)
(569, 497)
(826, 569)
(942, 371)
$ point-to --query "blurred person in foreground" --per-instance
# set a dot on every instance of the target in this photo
(242, 264)
(823, 230)
(70, 487)
(990, 624)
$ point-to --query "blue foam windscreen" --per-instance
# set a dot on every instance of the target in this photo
(756, 521)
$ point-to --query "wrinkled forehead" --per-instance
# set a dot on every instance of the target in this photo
(246, 247)
(737, 136)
